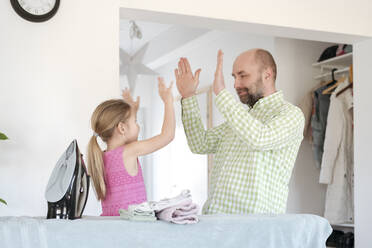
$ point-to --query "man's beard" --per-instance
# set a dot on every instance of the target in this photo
(248, 98)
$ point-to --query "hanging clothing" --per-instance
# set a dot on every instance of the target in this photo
(319, 123)
(307, 107)
(338, 160)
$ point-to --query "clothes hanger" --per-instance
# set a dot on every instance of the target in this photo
(323, 83)
(350, 82)
(333, 82)
(333, 77)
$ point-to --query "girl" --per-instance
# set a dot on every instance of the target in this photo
(116, 172)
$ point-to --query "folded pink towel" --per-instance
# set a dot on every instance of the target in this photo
(186, 210)
(190, 219)
(180, 214)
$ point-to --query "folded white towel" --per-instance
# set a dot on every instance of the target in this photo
(125, 214)
(140, 209)
(141, 212)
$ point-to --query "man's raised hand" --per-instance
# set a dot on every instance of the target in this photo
(186, 82)
(219, 82)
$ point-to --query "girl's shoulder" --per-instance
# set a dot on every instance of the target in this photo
(130, 150)
(115, 150)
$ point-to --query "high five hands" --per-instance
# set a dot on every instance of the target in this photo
(187, 83)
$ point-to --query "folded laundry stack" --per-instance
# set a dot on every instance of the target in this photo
(178, 210)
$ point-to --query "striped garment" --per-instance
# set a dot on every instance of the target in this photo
(254, 152)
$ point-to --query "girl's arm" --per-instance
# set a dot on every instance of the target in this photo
(153, 144)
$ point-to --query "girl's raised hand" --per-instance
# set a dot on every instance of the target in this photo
(164, 92)
(127, 97)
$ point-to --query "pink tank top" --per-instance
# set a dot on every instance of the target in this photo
(122, 189)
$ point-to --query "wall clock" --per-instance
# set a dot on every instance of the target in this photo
(35, 10)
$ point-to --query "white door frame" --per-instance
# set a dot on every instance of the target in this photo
(363, 217)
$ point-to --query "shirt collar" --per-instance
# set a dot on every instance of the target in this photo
(270, 102)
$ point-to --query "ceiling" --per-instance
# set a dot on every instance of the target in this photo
(164, 42)
(149, 31)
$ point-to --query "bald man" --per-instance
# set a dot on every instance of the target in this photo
(256, 147)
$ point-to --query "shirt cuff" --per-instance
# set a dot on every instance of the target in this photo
(189, 103)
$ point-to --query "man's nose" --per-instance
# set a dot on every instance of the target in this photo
(236, 83)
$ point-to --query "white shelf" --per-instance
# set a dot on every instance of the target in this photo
(338, 61)
(329, 74)
(341, 63)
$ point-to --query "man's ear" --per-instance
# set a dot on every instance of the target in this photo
(267, 73)
(122, 128)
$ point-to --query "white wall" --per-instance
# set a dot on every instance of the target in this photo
(52, 76)
(329, 16)
(362, 142)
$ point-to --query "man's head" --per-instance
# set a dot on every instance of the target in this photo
(254, 72)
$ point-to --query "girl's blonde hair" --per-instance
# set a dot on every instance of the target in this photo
(105, 119)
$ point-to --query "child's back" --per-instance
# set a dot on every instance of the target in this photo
(122, 189)
(116, 173)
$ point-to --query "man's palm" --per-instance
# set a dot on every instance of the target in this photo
(186, 82)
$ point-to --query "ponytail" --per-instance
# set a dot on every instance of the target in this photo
(104, 119)
(95, 167)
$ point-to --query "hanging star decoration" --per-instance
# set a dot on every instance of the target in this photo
(132, 66)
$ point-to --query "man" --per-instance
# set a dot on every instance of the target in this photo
(255, 148)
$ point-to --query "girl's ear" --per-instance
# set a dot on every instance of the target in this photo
(122, 128)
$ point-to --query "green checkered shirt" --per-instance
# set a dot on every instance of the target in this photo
(254, 152)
